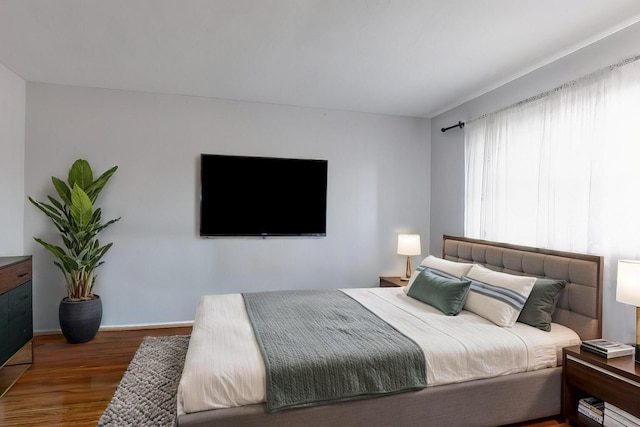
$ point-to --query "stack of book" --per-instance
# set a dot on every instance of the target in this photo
(607, 348)
(592, 408)
(616, 417)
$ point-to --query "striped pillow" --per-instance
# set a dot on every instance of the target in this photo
(441, 267)
(498, 297)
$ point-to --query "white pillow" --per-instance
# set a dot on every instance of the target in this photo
(498, 297)
(457, 269)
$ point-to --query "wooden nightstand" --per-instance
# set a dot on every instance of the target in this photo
(616, 381)
(392, 282)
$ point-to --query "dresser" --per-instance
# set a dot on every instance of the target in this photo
(16, 319)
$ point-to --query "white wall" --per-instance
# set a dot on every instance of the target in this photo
(159, 267)
(12, 140)
(447, 151)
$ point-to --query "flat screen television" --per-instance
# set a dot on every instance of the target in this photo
(262, 196)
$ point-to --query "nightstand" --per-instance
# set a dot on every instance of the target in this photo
(616, 381)
(392, 282)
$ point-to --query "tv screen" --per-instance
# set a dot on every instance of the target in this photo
(262, 196)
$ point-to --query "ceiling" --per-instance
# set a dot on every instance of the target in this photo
(413, 58)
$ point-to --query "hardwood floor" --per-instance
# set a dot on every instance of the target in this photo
(72, 384)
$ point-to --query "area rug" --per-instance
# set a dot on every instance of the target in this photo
(146, 395)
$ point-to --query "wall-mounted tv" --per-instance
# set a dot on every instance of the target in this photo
(262, 196)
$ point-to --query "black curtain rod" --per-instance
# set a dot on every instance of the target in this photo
(460, 125)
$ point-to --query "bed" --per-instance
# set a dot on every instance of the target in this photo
(508, 394)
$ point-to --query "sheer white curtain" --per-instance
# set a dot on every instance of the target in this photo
(562, 170)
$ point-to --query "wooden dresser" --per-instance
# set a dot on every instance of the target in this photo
(16, 319)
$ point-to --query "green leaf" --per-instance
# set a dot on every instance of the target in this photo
(59, 221)
(96, 187)
(81, 207)
(63, 191)
(97, 215)
(99, 253)
(80, 174)
(70, 264)
(57, 251)
(67, 242)
(51, 211)
(56, 203)
(40, 206)
(103, 226)
(59, 266)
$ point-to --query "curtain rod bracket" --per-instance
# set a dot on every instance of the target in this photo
(460, 125)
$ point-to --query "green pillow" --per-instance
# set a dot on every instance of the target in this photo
(447, 295)
(538, 309)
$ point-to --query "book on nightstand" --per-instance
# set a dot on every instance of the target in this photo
(607, 348)
(612, 422)
(592, 408)
(614, 417)
(592, 403)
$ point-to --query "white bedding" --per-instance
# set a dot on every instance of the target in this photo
(224, 367)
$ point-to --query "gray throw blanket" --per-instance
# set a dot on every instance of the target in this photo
(323, 346)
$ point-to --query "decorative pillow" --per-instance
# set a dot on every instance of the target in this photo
(498, 297)
(447, 295)
(442, 267)
(538, 309)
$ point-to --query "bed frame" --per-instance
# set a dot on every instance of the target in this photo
(488, 402)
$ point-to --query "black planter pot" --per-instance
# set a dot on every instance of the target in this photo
(80, 320)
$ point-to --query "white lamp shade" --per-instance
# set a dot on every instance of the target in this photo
(409, 244)
(628, 286)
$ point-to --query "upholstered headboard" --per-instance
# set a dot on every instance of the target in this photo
(580, 303)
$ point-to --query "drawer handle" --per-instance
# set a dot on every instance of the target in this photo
(23, 274)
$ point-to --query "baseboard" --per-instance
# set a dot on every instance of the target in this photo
(146, 326)
(107, 328)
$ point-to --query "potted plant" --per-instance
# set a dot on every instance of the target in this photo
(78, 223)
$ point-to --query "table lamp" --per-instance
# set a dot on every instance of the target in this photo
(409, 245)
(628, 292)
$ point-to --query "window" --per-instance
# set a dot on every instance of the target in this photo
(561, 170)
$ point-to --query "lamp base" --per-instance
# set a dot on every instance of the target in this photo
(405, 279)
(407, 273)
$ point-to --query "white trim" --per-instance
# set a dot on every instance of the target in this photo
(125, 327)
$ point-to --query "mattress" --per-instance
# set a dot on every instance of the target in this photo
(224, 367)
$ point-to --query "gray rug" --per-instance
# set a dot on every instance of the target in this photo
(146, 395)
